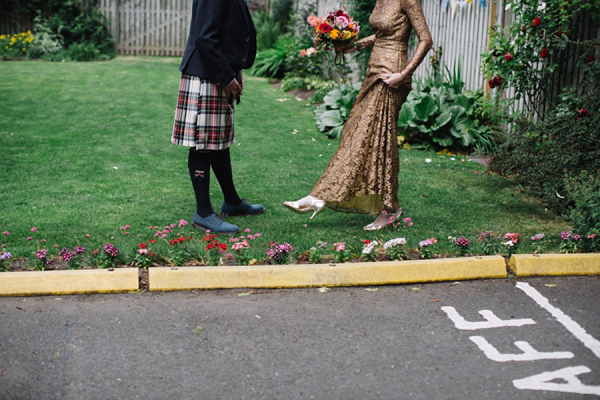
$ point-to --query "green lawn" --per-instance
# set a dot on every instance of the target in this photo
(86, 149)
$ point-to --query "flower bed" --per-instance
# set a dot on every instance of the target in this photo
(178, 244)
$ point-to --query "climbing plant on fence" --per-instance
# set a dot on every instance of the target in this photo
(535, 53)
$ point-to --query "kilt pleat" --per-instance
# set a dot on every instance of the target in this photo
(203, 118)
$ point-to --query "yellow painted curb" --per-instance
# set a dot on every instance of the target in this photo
(36, 283)
(555, 264)
(316, 275)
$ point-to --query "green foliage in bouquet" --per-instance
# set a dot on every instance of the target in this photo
(333, 113)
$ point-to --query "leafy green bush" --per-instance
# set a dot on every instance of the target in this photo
(84, 35)
(267, 30)
(584, 190)
(438, 114)
(45, 42)
(302, 62)
(537, 49)
(270, 63)
(333, 113)
(544, 156)
(314, 82)
(319, 95)
(13, 47)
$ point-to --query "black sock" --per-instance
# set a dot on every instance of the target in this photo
(199, 166)
(221, 165)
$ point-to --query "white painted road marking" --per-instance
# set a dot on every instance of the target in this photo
(491, 321)
(588, 340)
(529, 353)
(573, 385)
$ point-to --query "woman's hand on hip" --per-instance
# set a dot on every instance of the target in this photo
(393, 80)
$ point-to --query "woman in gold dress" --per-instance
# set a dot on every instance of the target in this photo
(362, 176)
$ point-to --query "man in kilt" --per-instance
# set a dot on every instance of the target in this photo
(222, 42)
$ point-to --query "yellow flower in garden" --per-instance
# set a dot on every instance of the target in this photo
(334, 34)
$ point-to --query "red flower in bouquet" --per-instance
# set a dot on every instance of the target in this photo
(337, 29)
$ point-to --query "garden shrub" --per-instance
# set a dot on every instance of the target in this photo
(13, 47)
(267, 30)
(333, 113)
(550, 157)
(84, 35)
(45, 42)
(439, 114)
(270, 63)
(584, 190)
(536, 51)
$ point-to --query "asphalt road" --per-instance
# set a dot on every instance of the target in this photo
(425, 341)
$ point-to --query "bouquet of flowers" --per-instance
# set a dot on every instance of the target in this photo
(338, 29)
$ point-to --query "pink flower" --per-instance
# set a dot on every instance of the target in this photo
(340, 246)
(410, 223)
(182, 223)
(43, 240)
(122, 228)
(257, 235)
(508, 57)
(229, 256)
(302, 53)
(173, 226)
(87, 235)
(143, 251)
(512, 237)
(207, 231)
(29, 238)
(250, 237)
(406, 219)
(310, 51)
(157, 234)
(127, 226)
(34, 229)
(164, 235)
(247, 230)
(592, 236)
(156, 227)
(56, 246)
(6, 233)
(150, 227)
(127, 233)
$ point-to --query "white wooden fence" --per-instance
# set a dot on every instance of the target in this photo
(150, 27)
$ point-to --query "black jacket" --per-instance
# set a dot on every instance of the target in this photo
(222, 40)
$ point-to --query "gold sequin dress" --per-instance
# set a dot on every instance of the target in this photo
(362, 176)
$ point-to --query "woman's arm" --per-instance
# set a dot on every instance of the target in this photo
(417, 19)
(365, 42)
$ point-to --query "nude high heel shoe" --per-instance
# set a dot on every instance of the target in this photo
(316, 206)
(383, 220)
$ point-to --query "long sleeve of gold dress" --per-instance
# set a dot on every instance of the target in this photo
(362, 176)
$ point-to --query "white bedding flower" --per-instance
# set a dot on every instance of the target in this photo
(394, 242)
(369, 247)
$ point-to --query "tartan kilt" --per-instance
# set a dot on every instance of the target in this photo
(203, 118)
